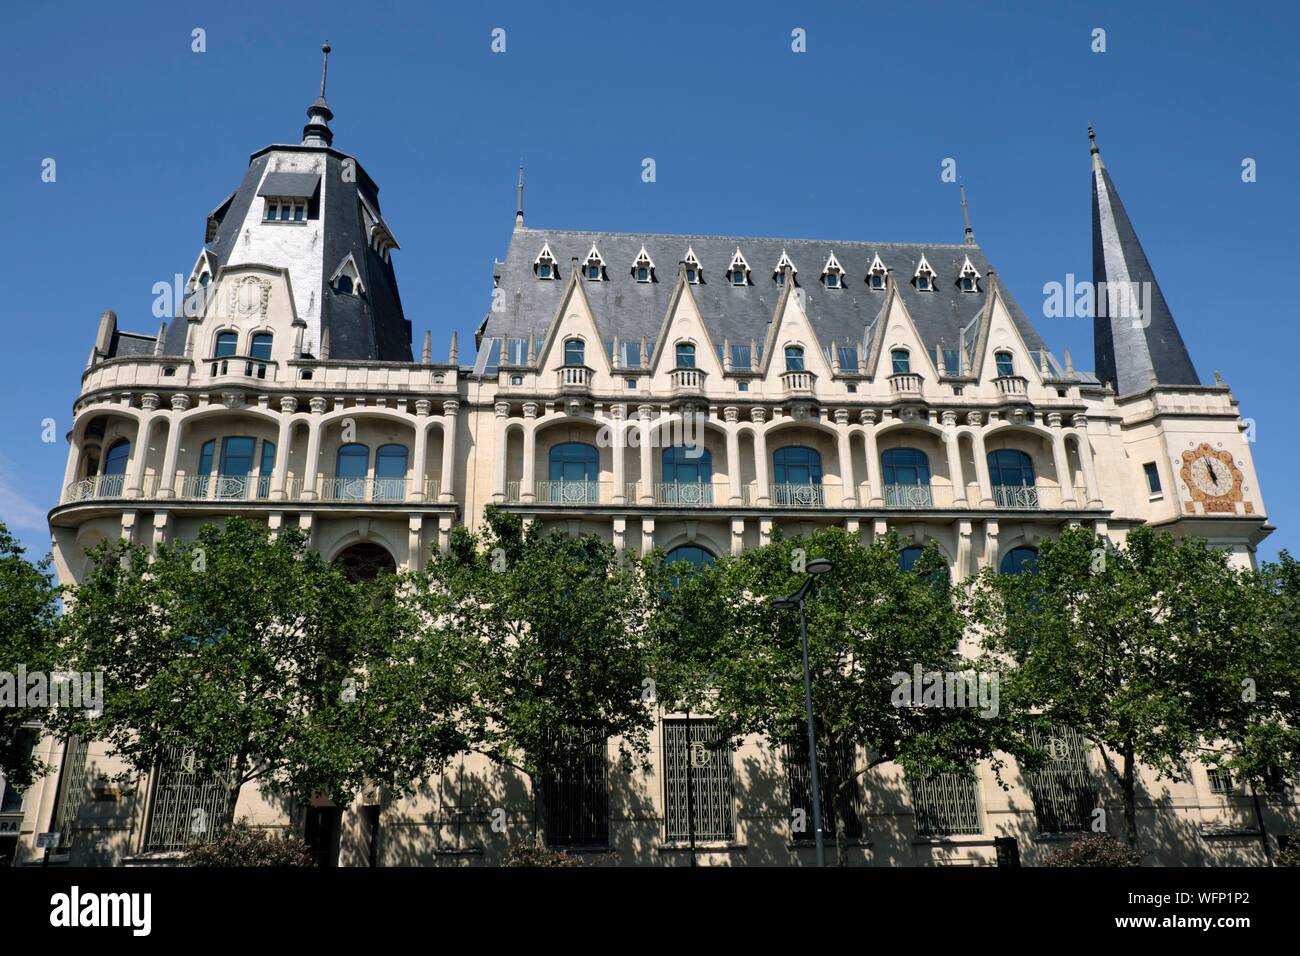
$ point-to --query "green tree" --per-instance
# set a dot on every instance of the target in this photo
(29, 601)
(1130, 646)
(726, 650)
(252, 652)
(555, 632)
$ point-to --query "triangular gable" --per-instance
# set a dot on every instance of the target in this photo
(999, 332)
(900, 331)
(690, 322)
(574, 316)
(790, 325)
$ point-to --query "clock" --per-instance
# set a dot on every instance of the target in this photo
(1212, 478)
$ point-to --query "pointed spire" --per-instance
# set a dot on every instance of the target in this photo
(426, 354)
(965, 216)
(325, 345)
(645, 352)
(753, 354)
(317, 131)
(726, 352)
(938, 354)
(1136, 339)
(532, 349)
(519, 204)
(1069, 364)
(616, 364)
(453, 354)
(835, 357)
(158, 342)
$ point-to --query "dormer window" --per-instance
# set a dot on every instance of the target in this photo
(924, 277)
(781, 265)
(738, 271)
(833, 273)
(692, 264)
(1006, 364)
(593, 267)
(346, 279)
(968, 280)
(643, 268)
(544, 264)
(575, 352)
(900, 361)
(685, 355)
(285, 210)
(876, 275)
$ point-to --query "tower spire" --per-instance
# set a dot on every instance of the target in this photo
(519, 204)
(965, 216)
(317, 131)
(1136, 339)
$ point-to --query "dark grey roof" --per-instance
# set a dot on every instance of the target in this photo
(131, 344)
(372, 327)
(289, 185)
(1131, 353)
(629, 309)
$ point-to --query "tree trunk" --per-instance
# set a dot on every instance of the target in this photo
(1129, 784)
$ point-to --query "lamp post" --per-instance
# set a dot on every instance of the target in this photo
(814, 567)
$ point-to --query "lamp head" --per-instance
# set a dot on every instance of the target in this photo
(785, 604)
(818, 566)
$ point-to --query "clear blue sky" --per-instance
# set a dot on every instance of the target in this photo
(844, 141)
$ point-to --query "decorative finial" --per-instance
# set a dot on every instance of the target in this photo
(1094, 149)
(965, 216)
(317, 131)
(324, 66)
(519, 205)
(1218, 379)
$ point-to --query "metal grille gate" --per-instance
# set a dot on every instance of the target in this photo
(189, 802)
(834, 765)
(699, 789)
(945, 803)
(1062, 790)
(575, 798)
(73, 791)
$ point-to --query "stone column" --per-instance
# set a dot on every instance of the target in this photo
(845, 450)
(647, 490)
(759, 417)
(737, 535)
(1080, 423)
(414, 541)
(868, 418)
(1061, 461)
(976, 421)
(952, 443)
(450, 414)
(502, 410)
(311, 467)
(420, 454)
(732, 416)
(647, 535)
(280, 474)
(617, 447)
(140, 448)
(167, 481)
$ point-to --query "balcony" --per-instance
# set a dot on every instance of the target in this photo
(574, 379)
(798, 496)
(797, 382)
(1012, 385)
(687, 381)
(253, 488)
(905, 385)
(243, 366)
(908, 496)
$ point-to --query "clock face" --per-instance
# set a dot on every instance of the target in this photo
(1211, 476)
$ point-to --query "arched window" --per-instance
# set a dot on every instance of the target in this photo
(365, 561)
(203, 477)
(261, 346)
(693, 554)
(351, 468)
(236, 466)
(907, 478)
(685, 355)
(793, 358)
(575, 352)
(908, 557)
(798, 474)
(265, 468)
(227, 344)
(574, 473)
(688, 473)
(390, 472)
(1006, 365)
(1011, 468)
(901, 360)
(115, 468)
(1021, 560)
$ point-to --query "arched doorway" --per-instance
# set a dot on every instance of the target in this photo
(365, 561)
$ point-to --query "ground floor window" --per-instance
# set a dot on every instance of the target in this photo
(189, 802)
(1062, 789)
(945, 804)
(574, 797)
(836, 765)
(699, 788)
(74, 788)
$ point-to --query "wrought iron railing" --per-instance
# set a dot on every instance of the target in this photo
(699, 788)
(98, 486)
(1016, 497)
(908, 496)
(945, 804)
(336, 489)
(1062, 789)
(686, 493)
(574, 798)
(798, 495)
(189, 804)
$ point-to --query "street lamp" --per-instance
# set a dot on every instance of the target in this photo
(814, 567)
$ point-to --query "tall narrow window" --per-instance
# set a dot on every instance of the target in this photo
(390, 472)
(1005, 364)
(265, 469)
(1153, 479)
(203, 477)
(1011, 472)
(793, 358)
(836, 764)
(685, 355)
(227, 344)
(1062, 790)
(114, 476)
(901, 361)
(261, 346)
(574, 352)
(699, 789)
(688, 476)
(351, 468)
(575, 797)
(236, 467)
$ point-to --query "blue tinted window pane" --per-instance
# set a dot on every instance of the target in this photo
(685, 355)
(794, 359)
(115, 460)
(226, 344)
(390, 461)
(1010, 467)
(1153, 477)
(574, 461)
(237, 456)
(574, 352)
(1005, 364)
(205, 457)
(696, 556)
(902, 361)
(798, 465)
(1020, 561)
(907, 558)
(352, 462)
(906, 466)
(297, 213)
(261, 348)
(683, 465)
(268, 458)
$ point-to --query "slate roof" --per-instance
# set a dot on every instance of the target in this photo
(629, 309)
(1131, 354)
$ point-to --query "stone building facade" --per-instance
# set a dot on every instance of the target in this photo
(687, 393)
